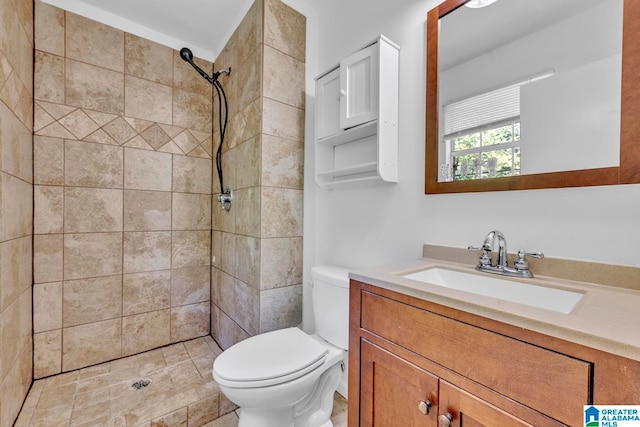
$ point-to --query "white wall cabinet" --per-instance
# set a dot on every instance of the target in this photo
(357, 117)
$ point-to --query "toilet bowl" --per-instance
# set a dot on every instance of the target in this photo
(287, 378)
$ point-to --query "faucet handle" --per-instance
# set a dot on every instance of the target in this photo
(485, 259)
(521, 263)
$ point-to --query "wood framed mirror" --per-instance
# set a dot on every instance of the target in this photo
(627, 171)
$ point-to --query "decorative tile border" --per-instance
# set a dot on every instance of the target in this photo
(62, 121)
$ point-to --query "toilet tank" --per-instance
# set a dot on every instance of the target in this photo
(330, 300)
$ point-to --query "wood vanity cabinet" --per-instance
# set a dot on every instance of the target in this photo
(416, 363)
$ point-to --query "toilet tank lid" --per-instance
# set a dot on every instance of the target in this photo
(338, 276)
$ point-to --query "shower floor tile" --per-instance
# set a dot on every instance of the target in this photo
(171, 386)
(180, 392)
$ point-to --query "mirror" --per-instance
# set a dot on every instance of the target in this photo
(555, 99)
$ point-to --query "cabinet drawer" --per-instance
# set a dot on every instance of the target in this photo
(547, 381)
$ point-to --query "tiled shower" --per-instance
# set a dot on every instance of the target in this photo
(114, 241)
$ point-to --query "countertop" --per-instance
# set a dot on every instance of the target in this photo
(606, 318)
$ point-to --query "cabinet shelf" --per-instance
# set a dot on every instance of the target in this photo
(351, 134)
(351, 170)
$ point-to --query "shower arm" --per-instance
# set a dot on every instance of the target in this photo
(187, 55)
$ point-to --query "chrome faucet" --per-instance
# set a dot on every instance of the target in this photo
(520, 266)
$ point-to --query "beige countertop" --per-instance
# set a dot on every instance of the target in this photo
(606, 318)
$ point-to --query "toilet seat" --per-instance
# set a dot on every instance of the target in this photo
(269, 359)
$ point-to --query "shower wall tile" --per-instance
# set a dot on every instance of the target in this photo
(92, 87)
(94, 43)
(190, 248)
(147, 210)
(145, 292)
(15, 274)
(282, 162)
(47, 306)
(47, 350)
(190, 321)
(92, 210)
(248, 155)
(285, 29)
(229, 258)
(289, 90)
(16, 212)
(190, 285)
(49, 28)
(248, 254)
(281, 212)
(247, 201)
(92, 255)
(281, 262)
(146, 331)
(147, 170)
(191, 175)
(147, 100)
(48, 77)
(48, 205)
(91, 300)
(225, 331)
(147, 251)
(249, 80)
(90, 344)
(282, 120)
(216, 248)
(16, 328)
(47, 258)
(92, 165)
(192, 110)
(239, 300)
(17, 156)
(148, 60)
(185, 79)
(280, 308)
(191, 211)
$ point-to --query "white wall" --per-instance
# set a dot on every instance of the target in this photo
(373, 225)
(377, 224)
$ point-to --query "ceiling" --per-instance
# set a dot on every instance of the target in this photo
(466, 32)
(204, 26)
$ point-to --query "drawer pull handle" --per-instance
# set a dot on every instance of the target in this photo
(444, 420)
(424, 406)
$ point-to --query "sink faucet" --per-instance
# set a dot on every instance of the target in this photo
(520, 267)
(489, 245)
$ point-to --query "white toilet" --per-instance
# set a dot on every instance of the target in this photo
(287, 378)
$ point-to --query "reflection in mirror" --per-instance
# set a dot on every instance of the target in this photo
(529, 87)
(522, 163)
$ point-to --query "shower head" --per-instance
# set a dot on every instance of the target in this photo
(187, 55)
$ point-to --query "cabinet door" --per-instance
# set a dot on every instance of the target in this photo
(394, 392)
(359, 87)
(457, 408)
(328, 104)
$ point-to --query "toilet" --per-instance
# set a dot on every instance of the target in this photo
(287, 378)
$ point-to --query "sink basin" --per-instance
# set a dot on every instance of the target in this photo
(558, 300)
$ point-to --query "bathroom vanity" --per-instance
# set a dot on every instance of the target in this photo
(421, 354)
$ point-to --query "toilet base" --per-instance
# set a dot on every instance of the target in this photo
(313, 411)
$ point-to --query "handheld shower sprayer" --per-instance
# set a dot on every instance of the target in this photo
(226, 195)
(187, 55)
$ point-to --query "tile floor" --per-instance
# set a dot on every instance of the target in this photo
(181, 393)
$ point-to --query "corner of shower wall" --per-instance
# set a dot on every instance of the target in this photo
(256, 273)
(122, 194)
(16, 219)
